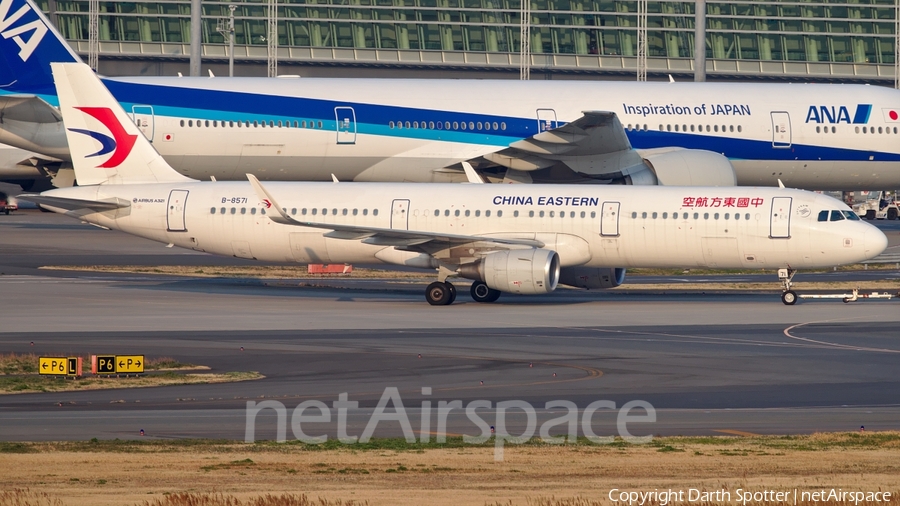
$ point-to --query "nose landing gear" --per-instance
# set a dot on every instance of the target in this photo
(788, 296)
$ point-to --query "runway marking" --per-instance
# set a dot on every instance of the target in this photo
(737, 432)
(787, 332)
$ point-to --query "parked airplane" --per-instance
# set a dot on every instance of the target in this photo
(839, 137)
(522, 238)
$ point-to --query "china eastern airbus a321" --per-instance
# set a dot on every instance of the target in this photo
(519, 238)
(812, 136)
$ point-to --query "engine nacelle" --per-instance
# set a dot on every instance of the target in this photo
(528, 271)
(592, 278)
(690, 167)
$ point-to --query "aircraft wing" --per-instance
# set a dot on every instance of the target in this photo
(28, 108)
(595, 133)
(383, 236)
(75, 204)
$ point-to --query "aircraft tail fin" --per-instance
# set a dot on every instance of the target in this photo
(28, 44)
(106, 146)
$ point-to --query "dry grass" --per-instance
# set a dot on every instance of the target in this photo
(194, 499)
(103, 473)
(19, 374)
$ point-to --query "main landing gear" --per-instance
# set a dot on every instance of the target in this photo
(440, 293)
(483, 293)
(788, 296)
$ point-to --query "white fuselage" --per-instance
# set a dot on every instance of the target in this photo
(586, 225)
(835, 137)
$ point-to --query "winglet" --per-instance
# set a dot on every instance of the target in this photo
(334, 178)
(281, 217)
(780, 184)
(471, 175)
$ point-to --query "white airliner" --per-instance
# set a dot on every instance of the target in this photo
(813, 136)
(520, 238)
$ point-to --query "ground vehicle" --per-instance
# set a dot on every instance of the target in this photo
(879, 205)
(7, 203)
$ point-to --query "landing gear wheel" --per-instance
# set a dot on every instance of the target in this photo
(482, 293)
(452, 292)
(789, 298)
(438, 294)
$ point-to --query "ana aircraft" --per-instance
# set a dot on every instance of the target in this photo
(522, 238)
(839, 137)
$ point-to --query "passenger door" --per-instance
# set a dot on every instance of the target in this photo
(142, 115)
(781, 130)
(400, 214)
(176, 211)
(780, 218)
(346, 125)
(609, 219)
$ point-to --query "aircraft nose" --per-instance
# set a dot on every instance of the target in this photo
(875, 242)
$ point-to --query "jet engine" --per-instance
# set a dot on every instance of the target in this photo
(527, 271)
(690, 167)
(592, 278)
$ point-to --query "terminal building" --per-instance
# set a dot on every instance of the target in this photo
(834, 40)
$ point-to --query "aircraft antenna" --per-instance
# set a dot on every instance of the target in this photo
(272, 38)
(525, 41)
(93, 34)
(642, 40)
(225, 26)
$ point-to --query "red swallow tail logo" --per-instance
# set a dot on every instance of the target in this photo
(268, 203)
(120, 144)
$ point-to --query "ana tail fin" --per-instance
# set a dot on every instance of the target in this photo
(106, 147)
(29, 43)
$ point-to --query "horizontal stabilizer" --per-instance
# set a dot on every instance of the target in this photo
(28, 108)
(75, 204)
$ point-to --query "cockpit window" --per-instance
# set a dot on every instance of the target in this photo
(823, 215)
(836, 216)
(850, 215)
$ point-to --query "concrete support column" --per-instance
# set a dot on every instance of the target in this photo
(700, 41)
(196, 37)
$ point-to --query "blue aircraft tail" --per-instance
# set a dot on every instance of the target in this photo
(28, 44)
